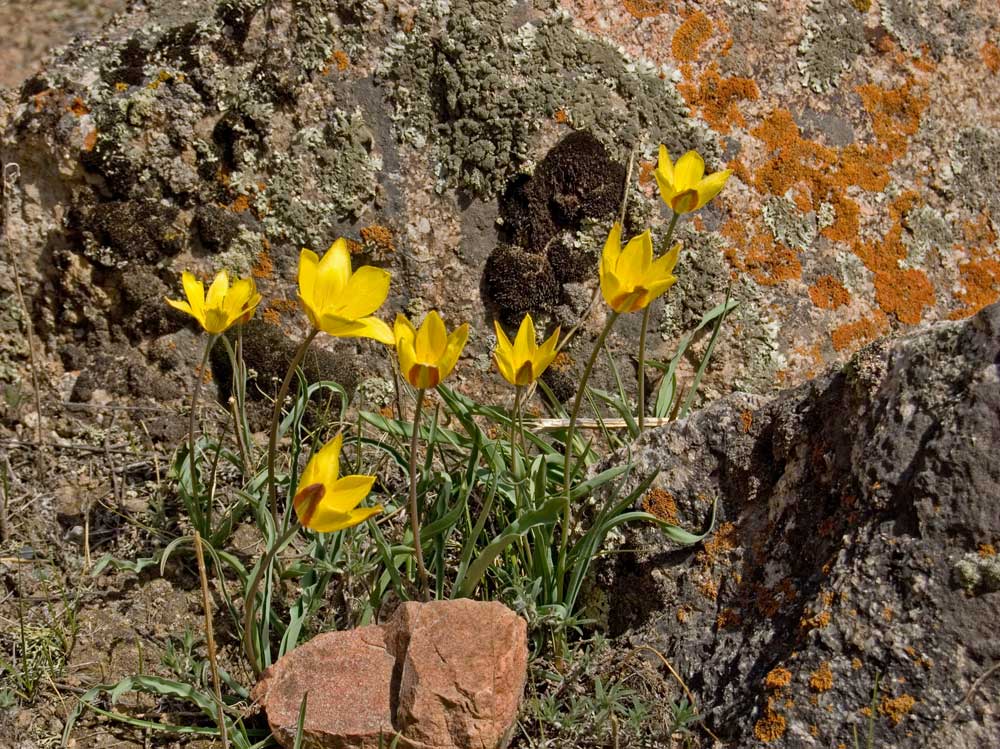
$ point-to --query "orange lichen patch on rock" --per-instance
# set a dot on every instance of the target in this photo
(660, 503)
(272, 316)
(77, 107)
(896, 709)
(727, 619)
(767, 261)
(690, 37)
(855, 334)
(817, 621)
(991, 56)
(986, 551)
(560, 116)
(856, 663)
(240, 205)
(562, 362)
(746, 421)
(821, 680)
(778, 678)
(646, 8)
(709, 589)
(121, 86)
(263, 266)
(771, 727)
(354, 247)
(895, 113)
(341, 59)
(722, 541)
(980, 283)
(646, 170)
(739, 170)
(903, 292)
(682, 613)
(90, 140)
(715, 98)
(380, 236)
(829, 293)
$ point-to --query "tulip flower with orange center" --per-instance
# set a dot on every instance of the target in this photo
(630, 277)
(524, 361)
(223, 306)
(427, 355)
(325, 500)
(684, 186)
(340, 302)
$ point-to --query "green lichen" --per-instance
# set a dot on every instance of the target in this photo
(926, 230)
(327, 175)
(977, 574)
(835, 36)
(476, 90)
(975, 163)
(790, 226)
(930, 25)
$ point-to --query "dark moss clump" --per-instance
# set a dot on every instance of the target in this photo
(217, 227)
(141, 309)
(132, 376)
(516, 281)
(117, 233)
(576, 180)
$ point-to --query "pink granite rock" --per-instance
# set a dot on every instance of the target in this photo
(441, 675)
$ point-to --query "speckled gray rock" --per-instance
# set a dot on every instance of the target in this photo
(859, 516)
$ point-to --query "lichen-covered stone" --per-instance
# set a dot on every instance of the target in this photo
(857, 516)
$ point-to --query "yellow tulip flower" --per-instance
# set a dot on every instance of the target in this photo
(630, 277)
(340, 302)
(428, 355)
(523, 362)
(327, 502)
(684, 186)
(224, 306)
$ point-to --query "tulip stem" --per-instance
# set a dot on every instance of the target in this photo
(272, 444)
(206, 603)
(567, 507)
(414, 516)
(642, 334)
(249, 642)
(199, 375)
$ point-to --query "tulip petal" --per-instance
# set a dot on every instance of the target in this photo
(337, 522)
(610, 287)
(182, 306)
(402, 328)
(636, 259)
(664, 165)
(308, 271)
(364, 293)
(711, 186)
(432, 339)
(238, 296)
(453, 349)
(666, 186)
(525, 342)
(366, 327)
(688, 171)
(332, 275)
(194, 290)
(217, 291)
(545, 354)
(612, 249)
(503, 354)
(505, 367)
(659, 287)
(346, 493)
(664, 265)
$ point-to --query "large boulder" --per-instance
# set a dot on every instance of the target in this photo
(858, 524)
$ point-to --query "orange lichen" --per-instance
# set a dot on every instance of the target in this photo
(646, 170)
(77, 107)
(856, 663)
(690, 37)
(767, 261)
(896, 709)
(855, 334)
(709, 589)
(991, 56)
(562, 362)
(354, 247)
(980, 285)
(817, 621)
(240, 205)
(723, 540)
(271, 315)
(90, 140)
(771, 727)
(829, 293)
(778, 678)
(682, 614)
(560, 116)
(120, 86)
(380, 236)
(341, 59)
(887, 614)
(746, 421)
(987, 550)
(821, 680)
(715, 98)
(660, 503)
(645, 8)
(895, 113)
(263, 266)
